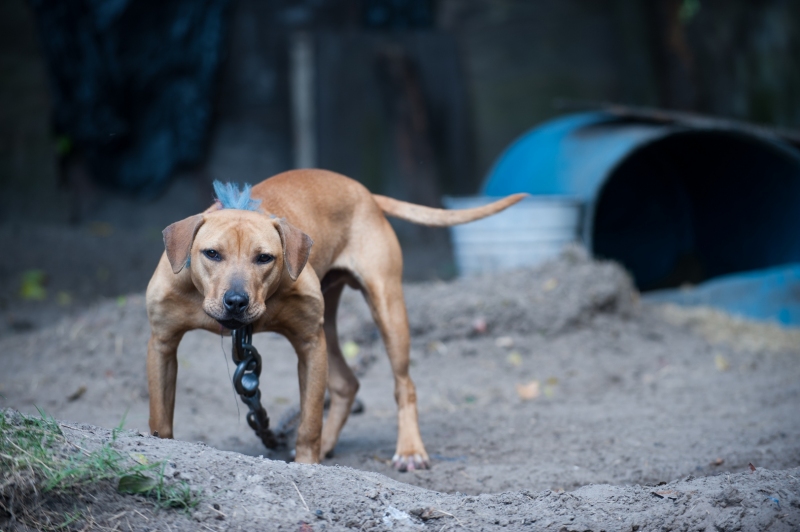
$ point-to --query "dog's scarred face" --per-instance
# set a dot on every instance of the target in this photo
(236, 260)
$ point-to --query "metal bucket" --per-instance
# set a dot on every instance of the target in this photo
(533, 230)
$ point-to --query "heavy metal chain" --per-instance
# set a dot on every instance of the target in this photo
(245, 382)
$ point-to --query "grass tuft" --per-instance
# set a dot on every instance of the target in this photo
(37, 460)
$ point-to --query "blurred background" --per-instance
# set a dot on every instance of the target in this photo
(116, 116)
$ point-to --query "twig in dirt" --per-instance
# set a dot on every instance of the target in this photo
(23, 451)
(451, 515)
(140, 513)
(138, 461)
(64, 437)
(220, 513)
(81, 449)
(115, 517)
(75, 428)
(301, 495)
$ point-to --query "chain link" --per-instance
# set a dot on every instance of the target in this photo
(245, 382)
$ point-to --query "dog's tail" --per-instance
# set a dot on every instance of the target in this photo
(432, 217)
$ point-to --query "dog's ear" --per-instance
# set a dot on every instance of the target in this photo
(178, 239)
(296, 247)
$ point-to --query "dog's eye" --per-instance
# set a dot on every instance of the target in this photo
(212, 254)
(264, 258)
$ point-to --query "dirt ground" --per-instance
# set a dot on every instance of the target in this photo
(550, 399)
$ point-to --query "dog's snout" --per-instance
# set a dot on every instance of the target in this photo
(235, 302)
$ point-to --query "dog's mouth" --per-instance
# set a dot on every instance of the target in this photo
(232, 324)
(231, 320)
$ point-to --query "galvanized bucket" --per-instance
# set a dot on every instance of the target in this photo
(533, 230)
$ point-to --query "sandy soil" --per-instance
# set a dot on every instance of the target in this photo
(551, 397)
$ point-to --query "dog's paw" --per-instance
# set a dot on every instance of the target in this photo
(402, 462)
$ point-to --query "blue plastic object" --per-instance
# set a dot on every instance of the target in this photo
(770, 295)
(675, 198)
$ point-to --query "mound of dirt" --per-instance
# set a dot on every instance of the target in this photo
(251, 493)
(561, 294)
(531, 383)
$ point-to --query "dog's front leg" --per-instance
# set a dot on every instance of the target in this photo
(312, 372)
(162, 372)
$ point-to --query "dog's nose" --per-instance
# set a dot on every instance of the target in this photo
(235, 302)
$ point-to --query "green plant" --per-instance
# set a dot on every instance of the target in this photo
(37, 459)
(167, 495)
(688, 10)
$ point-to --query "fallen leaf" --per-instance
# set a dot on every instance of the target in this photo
(101, 229)
(752, 467)
(63, 145)
(350, 350)
(504, 341)
(103, 274)
(64, 299)
(139, 458)
(529, 391)
(667, 494)
(77, 394)
(431, 513)
(721, 362)
(514, 358)
(550, 284)
(32, 287)
(135, 483)
(437, 347)
(718, 462)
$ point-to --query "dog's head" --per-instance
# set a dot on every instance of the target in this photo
(237, 259)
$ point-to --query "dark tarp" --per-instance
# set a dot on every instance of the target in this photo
(133, 83)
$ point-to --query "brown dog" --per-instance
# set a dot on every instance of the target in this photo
(229, 267)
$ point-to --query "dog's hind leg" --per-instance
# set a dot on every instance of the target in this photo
(384, 294)
(342, 384)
